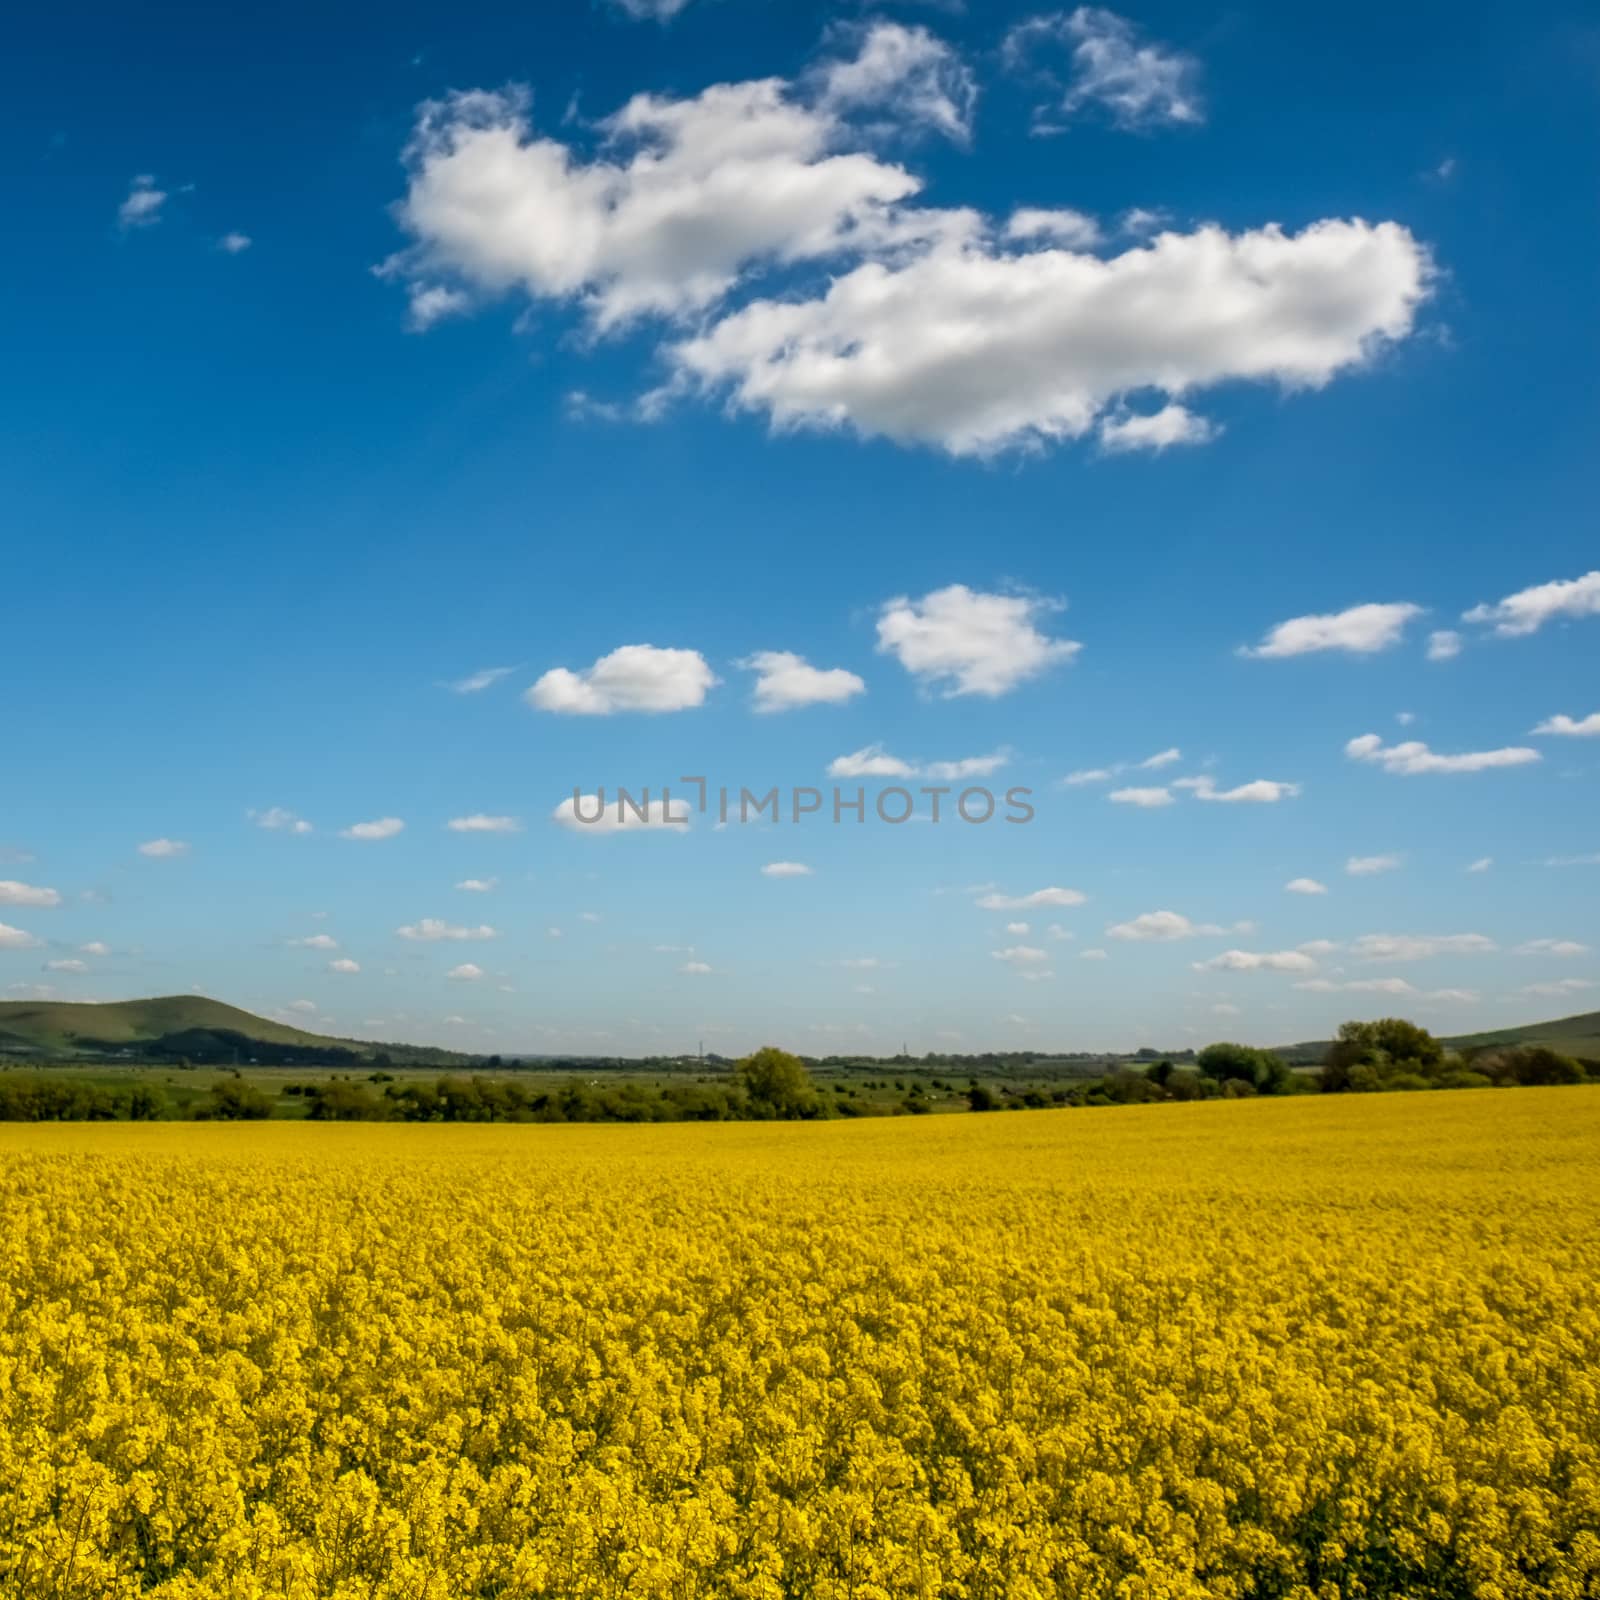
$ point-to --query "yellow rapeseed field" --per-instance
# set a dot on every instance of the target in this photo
(1310, 1349)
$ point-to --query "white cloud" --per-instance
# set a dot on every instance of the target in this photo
(1262, 791)
(142, 208)
(873, 761)
(1162, 926)
(344, 965)
(1585, 728)
(1071, 229)
(478, 885)
(163, 849)
(316, 941)
(1419, 947)
(786, 869)
(1394, 986)
(1592, 860)
(1552, 947)
(1362, 630)
(975, 351)
(610, 816)
(382, 828)
(68, 965)
(430, 303)
(1371, 866)
(1305, 886)
(909, 72)
(95, 947)
(275, 819)
(1021, 956)
(1560, 988)
(303, 1005)
(234, 244)
(13, 893)
(1162, 758)
(1223, 1009)
(969, 642)
(1018, 930)
(1257, 961)
(1138, 85)
(1414, 757)
(1092, 955)
(695, 968)
(1482, 864)
(1149, 799)
(479, 823)
(652, 10)
(477, 682)
(1028, 902)
(1056, 931)
(432, 929)
(1529, 609)
(635, 677)
(1126, 431)
(467, 972)
(1085, 775)
(1444, 644)
(786, 681)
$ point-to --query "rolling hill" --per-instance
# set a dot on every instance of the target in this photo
(1570, 1036)
(178, 1025)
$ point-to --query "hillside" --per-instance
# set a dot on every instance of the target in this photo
(176, 1025)
(1570, 1036)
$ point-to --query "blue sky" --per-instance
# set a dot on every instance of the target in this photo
(1062, 388)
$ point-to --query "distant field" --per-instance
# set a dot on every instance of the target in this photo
(1325, 1346)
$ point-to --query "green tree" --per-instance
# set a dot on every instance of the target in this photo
(1389, 1047)
(778, 1084)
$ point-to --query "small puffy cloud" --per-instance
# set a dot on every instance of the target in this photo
(477, 682)
(275, 819)
(1371, 866)
(1572, 728)
(1305, 886)
(785, 681)
(13, 893)
(467, 972)
(68, 964)
(1362, 630)
(1085, 775)
(871, 761)
(1148, 799)
(429, 303)
(1070, 229)
(1018, 930)
(163, 849)
(964, 641)
(786, 869)
(433, 929)
(695, 969)
(967, 767)
(142, 208)
(1262, 791)
(1092, 955)
(1528, 610)
(1022, 957)
(634, 677)
(1052, 896)
(1258, 961)
(1414, 757)
(381, 828)
(1552, 947)
(1136, 83)
(594, 813)
(1162, 758)
(1162, 926)
(1419, 947)
(316, 941)
(1125, 431)
(479, 823)
(95, 947)
(344, 965)
(234, 244)
(907, 71)
(1482, 864)
(1444, 644)
(478, 885)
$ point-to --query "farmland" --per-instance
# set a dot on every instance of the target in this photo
(1312, 1347)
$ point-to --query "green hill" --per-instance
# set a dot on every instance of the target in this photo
(1569, 1036)
(174, 1026)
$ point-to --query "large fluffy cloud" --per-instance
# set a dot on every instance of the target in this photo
(1362, 630)
(1528, 610)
